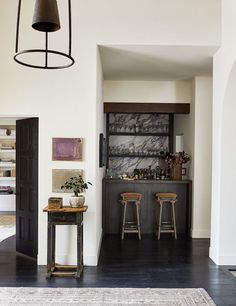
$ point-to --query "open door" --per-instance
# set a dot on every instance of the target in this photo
(27, 187)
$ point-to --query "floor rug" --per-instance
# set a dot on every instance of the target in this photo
(7, 231)
(104, 296)
(7, 219)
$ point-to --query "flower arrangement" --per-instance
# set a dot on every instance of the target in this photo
(174, 159)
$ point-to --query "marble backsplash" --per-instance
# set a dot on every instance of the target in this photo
(126, 165)
(139, 123)
(142, 146)
(138, 145)
(138, 151)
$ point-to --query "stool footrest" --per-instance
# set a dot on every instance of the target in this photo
(167, 226)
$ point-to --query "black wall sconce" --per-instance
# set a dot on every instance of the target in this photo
(45, 19)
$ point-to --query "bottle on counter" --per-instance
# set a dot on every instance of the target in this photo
(149, 173)
(162, 174)
(141, 174)
(157, 173)
(136, 174)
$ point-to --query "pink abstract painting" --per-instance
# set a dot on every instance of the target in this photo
(69, 149)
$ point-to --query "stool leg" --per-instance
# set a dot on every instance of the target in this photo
(157, 218)
(123, 224)
(160, 218)
(138, 221)
(173, 212)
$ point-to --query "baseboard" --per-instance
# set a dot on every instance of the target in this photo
(227, 260)
(7, 212)
(72, 259)
(100, 245)
(200, 233)
(90, 260)
(93, 260)
(213, 255)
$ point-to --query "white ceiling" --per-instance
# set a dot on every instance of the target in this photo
(160, 63)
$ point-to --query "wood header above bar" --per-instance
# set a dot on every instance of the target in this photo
(164, 108)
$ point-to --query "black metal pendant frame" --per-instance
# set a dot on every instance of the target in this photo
(46, 51)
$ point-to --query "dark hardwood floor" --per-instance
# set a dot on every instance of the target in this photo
(132, 263)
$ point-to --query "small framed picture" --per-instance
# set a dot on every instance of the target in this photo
(59, 176)
(184, 171)
(68, 149)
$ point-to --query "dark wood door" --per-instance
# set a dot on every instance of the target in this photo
(27, 186)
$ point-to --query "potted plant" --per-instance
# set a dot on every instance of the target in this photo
(78, 185)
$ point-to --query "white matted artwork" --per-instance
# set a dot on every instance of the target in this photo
(59, 176)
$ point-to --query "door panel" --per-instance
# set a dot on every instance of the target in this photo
(27, 186)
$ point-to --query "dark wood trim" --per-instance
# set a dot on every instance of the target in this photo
(164, 108)
(107, 142)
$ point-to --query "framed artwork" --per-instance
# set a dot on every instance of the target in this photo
(59, 176)
(69, 149)
(184, 171)
(102, 151)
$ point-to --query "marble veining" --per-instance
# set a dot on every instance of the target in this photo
(127, 152)
(139, 123)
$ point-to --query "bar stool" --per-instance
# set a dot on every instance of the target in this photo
(131, 226)
(166, 226)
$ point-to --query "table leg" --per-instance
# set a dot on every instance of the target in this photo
(49, 250)
(79, 247)
(53, 244)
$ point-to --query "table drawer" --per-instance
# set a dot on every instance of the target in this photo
(62, 217)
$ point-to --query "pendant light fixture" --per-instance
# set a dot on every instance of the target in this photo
(45, 19)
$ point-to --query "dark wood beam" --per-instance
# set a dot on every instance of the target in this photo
(164, 108)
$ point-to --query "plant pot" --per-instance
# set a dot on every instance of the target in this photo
(176, 172)
(77, 201)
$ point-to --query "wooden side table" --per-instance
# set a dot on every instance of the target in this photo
(64, 216)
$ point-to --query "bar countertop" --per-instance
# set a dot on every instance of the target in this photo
(124, 181)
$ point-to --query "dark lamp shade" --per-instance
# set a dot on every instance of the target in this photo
(46, 16)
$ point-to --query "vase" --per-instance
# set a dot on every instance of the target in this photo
(77, 201)
(176, 172)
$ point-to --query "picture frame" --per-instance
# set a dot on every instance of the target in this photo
(102, 150)
(183, 171)
(59, 176)
(67, 149)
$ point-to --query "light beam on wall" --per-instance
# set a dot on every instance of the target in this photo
(45, 19)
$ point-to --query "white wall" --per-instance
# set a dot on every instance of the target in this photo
(223, 247)
(147, 91)
(100, 129)
(202, 158)
(66, 101)
(197, 130)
